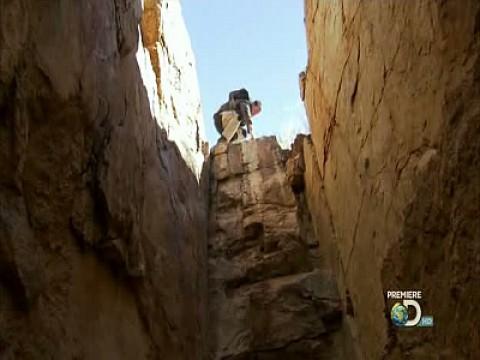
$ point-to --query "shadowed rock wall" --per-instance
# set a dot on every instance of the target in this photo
(102, 219)
(392, 95)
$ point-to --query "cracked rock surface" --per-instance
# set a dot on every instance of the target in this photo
(102, 219)
(393, 168)
(267, 298)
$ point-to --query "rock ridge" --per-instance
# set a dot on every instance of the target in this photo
(269, 297)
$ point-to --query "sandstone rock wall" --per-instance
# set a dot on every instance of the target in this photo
(177, 107)
(392, 97)
(270, 295)
(102, 219)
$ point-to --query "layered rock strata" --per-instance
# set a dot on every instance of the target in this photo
(268, 299)
(391, 92)
(102, 218)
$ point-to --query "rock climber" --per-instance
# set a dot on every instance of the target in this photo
(236, 114)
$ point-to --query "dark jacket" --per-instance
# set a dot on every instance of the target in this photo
(242, 106)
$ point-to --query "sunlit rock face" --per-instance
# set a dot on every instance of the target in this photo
(174, 80)
(392, 99)
(271, 295)
(102, 217)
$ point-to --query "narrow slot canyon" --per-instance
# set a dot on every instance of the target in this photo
(125, 234)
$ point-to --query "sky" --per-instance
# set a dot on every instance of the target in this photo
(256, 44)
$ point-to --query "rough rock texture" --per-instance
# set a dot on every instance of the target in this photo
(102, 219)
(268, 299)
(394, 171)
(177, 106)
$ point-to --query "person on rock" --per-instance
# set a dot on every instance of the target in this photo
(236, 114)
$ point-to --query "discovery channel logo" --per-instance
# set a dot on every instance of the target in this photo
(399, 313)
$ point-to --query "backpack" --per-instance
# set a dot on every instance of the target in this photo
(217, 120)
(238, 95)
(234, 97)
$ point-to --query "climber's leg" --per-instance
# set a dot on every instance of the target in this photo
(230, 125)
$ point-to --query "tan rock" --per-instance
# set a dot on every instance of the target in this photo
(173, 89)
(391, 97)
(266, 298)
